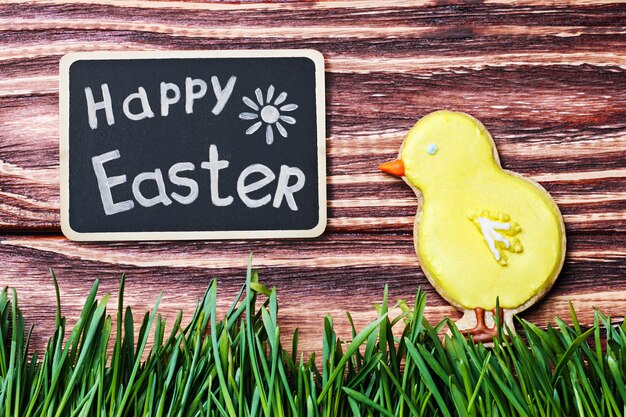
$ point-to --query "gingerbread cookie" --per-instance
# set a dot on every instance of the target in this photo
(481, 232)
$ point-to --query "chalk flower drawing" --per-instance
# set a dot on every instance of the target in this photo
(269, 112)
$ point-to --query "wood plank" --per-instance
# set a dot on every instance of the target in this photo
(548, 80)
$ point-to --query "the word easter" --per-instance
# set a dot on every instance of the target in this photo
(283, 190)
(170, 94)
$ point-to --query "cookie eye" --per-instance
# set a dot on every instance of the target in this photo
(432, 149)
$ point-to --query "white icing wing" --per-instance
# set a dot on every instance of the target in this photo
(497, 231)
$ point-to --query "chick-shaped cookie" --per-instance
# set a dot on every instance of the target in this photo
(481, 232)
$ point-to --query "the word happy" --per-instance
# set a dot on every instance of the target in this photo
(169, 95)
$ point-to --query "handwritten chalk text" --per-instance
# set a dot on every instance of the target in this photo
(169, 95)
(253, 178)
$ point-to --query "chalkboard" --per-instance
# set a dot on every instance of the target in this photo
(192, 145)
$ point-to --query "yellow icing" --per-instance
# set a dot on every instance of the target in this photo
(463, 179)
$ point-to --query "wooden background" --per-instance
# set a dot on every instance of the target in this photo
(548, 81)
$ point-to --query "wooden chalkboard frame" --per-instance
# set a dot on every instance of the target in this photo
(64, 125)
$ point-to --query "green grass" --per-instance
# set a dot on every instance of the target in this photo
(236, 366)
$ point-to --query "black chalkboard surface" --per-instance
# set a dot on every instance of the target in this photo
(192, 145)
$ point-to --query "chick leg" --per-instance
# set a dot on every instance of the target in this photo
(481, 332)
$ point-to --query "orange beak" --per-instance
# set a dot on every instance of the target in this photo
(393, 167)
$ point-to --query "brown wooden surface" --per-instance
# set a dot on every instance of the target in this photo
(548, 81)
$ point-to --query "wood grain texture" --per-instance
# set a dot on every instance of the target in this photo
(548, 81)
